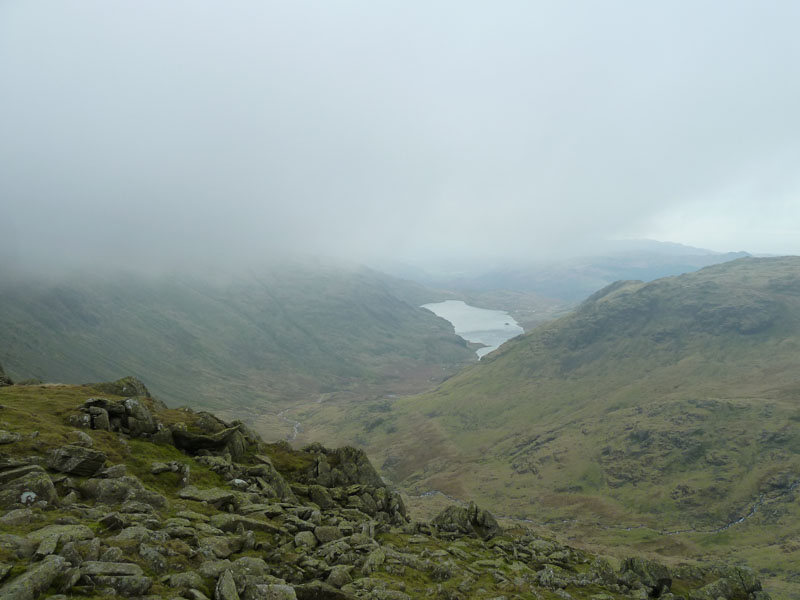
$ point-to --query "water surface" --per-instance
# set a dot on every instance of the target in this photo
(480, 325)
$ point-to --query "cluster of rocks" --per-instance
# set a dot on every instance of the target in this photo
(232, 518)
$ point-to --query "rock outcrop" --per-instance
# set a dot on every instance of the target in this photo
(198, 516)
(468, 520)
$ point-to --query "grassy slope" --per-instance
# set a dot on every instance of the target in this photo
(277, 335)
(664, 406)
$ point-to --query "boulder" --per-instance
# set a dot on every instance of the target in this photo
(119, 490)
(125, 387)
(269, 591)
(305, 539)
(65, 533)
(469, 520)
(194, 442)
(653, 576)
(128, 586)
(9, 437)
(327, 533)
(34, 485)
(267, 471)
(76, 460)
(226, 587)
(216, 496)
(339, 576)
(139, 418)
(342, 467)
(231, 522)
(320, 591)
(36, 580)
(92, 568)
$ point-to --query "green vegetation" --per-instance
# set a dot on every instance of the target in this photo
(651, 410)
(276, 336)
(246, 519)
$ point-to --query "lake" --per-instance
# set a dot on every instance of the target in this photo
(480, 325)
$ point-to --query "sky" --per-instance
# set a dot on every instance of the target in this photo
(150, 133)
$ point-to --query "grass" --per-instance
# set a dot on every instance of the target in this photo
(669, 405)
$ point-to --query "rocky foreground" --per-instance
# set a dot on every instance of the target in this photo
(104, 492)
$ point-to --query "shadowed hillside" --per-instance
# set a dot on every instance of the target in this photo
(276, 335)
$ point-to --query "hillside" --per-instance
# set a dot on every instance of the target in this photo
(108, 496)
(653, 409)
(270, 336)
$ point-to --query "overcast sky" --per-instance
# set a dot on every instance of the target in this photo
(149, 131)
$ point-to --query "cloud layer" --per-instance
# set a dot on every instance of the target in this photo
(148, 132)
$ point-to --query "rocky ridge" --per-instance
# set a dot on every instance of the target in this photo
(104, 495)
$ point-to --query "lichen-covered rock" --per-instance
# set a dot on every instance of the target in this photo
(33, 582)
(139, 418)
(216, 496)
(93, 567)
(320, 591)
(339, 576)
(654, 576)
(32, 486)
(76, 460)
(126, 387)
(9, 437)
(194, 442)
(226, 587)
(128, 586)
(119, 490)
(232, 522)
(269, 591)
(270, 474)
(469, 520)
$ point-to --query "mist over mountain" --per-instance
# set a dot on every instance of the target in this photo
(252, 340)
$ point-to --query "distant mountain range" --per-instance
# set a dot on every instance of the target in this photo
(566, 280)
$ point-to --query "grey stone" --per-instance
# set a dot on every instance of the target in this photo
(76, 460)
(120, 489)
(98, 418)
(320, 591)
(9, 437)
(155, 560)
(305, 539)
(19, 516)
(81, 438)
(65, 533)
(327, 533)
(33, 486)
(46, 547)
(128, 586)
(226, 587)
(269, 591)
(339, 576)
(185, 581)
(469, 520)
(231, 522)
(35, 580)
(215, 496)
(92, 568)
